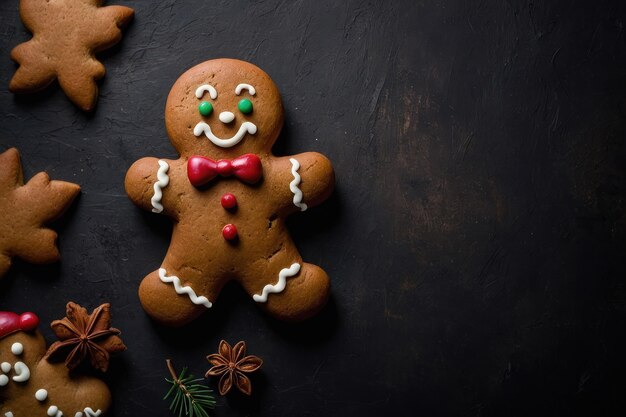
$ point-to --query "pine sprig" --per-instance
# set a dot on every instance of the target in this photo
(190, 397)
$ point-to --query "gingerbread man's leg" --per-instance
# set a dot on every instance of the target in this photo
(286, 287)
(163, 304)
(180, 290)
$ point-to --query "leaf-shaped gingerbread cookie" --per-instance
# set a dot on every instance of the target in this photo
(25, 208)
(31, 385)
(66, 36)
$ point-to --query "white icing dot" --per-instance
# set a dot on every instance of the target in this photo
(3, 380)
(41, 395)
(53, 410)
(6, 367)
(78, 414)
(8, 414)
(226, 117)
(17, 348)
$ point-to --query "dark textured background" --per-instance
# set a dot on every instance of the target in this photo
(476, 240)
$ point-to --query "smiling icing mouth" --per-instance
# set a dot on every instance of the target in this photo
(246, 127)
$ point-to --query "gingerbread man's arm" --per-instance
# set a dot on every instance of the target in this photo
(304, 180)
(152, 184)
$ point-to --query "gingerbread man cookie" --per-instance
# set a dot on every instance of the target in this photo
(228, 197)
(66, 36)
(31, 385)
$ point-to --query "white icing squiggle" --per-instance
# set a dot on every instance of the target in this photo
(294, 185)
(246, 127)
(22, 373)
(206, 87)
(202, 300)
(280, 285)
(248, 87)
(90, 413)
(162, 181)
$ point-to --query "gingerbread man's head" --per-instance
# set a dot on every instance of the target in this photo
(223, 108)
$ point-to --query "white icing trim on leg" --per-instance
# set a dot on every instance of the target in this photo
(293, 185)
(279, 286)
(201, 300)
(162, 181)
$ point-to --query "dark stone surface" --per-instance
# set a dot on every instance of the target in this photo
(476, 239)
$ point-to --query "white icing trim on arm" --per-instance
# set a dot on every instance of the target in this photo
(246, 127)
(279, 286)
(294, 185)
(201, 300)
(206, 87)
(248, 87)
(22, 373)
(162, 181)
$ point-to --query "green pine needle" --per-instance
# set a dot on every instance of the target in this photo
(189, 396)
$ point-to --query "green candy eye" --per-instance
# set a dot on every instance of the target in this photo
(205, 108)
(245, 106)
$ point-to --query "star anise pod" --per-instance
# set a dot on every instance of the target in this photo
(232, 364)
(85, 335)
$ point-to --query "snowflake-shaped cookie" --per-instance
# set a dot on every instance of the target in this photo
(25, 208)
(66, 36)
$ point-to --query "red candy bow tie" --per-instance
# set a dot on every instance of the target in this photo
(201, 170)
(12, 322)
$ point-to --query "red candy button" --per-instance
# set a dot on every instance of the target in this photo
(29, 321)
(229, 201)
(229, 232)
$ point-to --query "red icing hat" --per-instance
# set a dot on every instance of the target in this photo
(11, 322)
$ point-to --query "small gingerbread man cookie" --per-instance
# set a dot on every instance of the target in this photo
(31, 384)
(228, 197)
